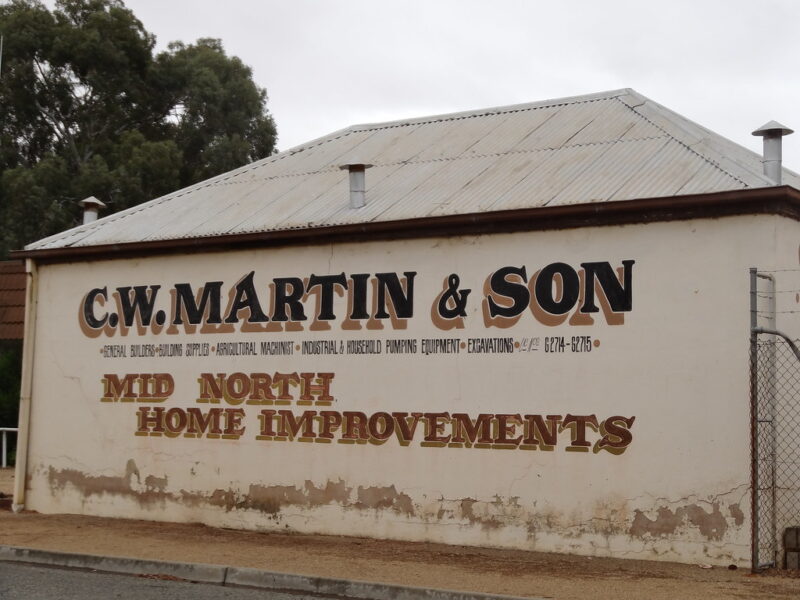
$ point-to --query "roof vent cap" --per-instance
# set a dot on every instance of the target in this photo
(772, 133)
(357, 170)
(91, 208)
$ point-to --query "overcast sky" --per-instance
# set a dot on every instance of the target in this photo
(730, 65)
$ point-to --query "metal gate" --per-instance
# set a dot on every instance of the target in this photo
(775, 427)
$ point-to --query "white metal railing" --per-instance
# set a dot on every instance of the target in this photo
(4, 454)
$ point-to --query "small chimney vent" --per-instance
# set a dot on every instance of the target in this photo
(772, 133)
(91, 207)
(358, 184)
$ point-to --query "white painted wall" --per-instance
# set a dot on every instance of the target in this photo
(680, 491)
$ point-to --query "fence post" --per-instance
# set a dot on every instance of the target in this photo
(754, 418)
(773, 422)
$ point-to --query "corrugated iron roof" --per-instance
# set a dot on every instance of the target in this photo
(602, 147)
(12, 299)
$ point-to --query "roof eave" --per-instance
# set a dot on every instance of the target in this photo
(778, 200)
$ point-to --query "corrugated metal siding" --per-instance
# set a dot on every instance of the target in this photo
(598, 148)
(12, 300)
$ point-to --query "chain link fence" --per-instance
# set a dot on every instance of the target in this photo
(776, 448)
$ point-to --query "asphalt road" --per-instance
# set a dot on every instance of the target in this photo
(29, 582)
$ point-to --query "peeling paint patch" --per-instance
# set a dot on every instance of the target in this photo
(712, 525)
(737, 514)
(610, 516)
(485, 521)
(155, 483)
(97, 485)
(270, 499)
(489, 515)
(94, 484)
(334, 491)
(385, 498)
(222, 498)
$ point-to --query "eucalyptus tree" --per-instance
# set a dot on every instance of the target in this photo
(88, 108)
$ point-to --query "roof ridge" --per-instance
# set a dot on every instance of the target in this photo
(644, 100)
(497, 110)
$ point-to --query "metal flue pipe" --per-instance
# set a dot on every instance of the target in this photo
(773, 133)
(91, 208)
(358, 183)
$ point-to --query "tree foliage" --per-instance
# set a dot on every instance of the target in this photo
(87, 108)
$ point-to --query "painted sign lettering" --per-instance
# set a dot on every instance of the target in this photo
(555, 294)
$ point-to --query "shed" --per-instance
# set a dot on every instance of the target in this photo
(12, 299)
(530, 328)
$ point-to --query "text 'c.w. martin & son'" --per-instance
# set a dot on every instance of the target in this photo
(555, 294)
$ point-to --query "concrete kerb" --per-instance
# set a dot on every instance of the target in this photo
(240, 576)
(110, 564)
